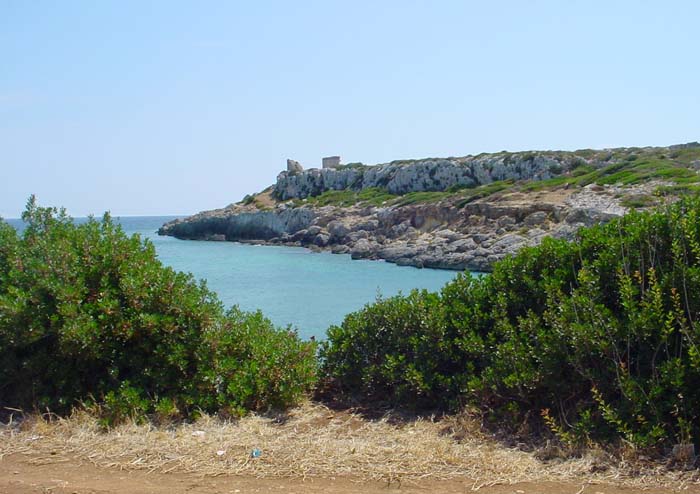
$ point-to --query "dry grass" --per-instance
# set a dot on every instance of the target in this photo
(313, 441)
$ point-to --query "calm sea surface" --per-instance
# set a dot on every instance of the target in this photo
(310, 291)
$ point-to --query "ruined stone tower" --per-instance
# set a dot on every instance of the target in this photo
(294, 166)
(331, 162)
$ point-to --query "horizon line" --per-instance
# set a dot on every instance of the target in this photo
(111, 214)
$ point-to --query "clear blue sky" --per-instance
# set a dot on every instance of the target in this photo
(157, 107)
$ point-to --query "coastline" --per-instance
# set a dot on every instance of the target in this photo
(440, 235)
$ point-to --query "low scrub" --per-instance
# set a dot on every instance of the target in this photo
(88, 314)
(343, 198)
(597, 339)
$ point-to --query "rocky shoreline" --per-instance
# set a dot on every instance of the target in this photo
(436, 235)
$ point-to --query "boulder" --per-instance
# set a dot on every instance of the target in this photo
(355, 236)
(536, 218)
(463, 245)
(321, 240)
(369, 225)
(409, 261)
(361, 249)
(340, 249)
(481, 237)
(536, 233)
(480, 252)
(566, 232)
(400, 229)
(479, 263)
(508, 243)
(313, 230)
(587, 216)
(298, 236)
(387, 216)
(448, 234)
(337, 230)
(395, 252)
(505, 221)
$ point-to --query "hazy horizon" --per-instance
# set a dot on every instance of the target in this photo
(188, 213)
(170, 108)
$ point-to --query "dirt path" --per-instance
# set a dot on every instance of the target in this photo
(25, 474)
(310, 449)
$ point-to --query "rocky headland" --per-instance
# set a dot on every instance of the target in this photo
(452, 213)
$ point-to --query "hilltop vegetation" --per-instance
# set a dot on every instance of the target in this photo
(375, 196)
(676, 166)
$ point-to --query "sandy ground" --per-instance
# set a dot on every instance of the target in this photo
(25, 474)
(311, 449)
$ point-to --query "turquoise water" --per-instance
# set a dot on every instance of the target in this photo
(295, 286)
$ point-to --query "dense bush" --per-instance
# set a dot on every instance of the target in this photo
(251, 365)
(90, 314)
(597, 338)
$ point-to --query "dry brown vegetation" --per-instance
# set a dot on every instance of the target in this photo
(314, 441)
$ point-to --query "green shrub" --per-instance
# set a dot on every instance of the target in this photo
(375, 196)
(460, 187)
(126, 403)
(483, 191)
(597, 338)
(395, 361)
(345, 197)
(88, 313)
(420, 197)
(248, 364)
(582, 169)
(555, 169)
(639, 201)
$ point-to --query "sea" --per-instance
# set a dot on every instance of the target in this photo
(292, 286)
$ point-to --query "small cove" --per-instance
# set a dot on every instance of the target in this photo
(292, 286)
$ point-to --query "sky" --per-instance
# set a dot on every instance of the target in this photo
(172, 107)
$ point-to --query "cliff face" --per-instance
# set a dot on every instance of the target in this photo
(436, 235)
(240, 223)
(422, 175)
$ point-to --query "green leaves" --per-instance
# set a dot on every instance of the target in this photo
(601, 332)
(251, 365)
(87, 312)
